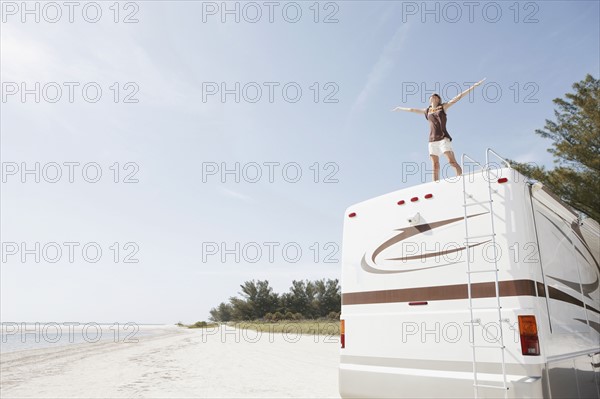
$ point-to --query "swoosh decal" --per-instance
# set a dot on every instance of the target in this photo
(570, 241)
(365, 266)
(408, 232)
(592, 324)
(579, 235)
(411, 231)
(574, 226)
(422, 256)
(587, 288)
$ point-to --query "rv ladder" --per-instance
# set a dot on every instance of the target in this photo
(477, 203)
(490, 386)
(483, 271)
(480, 236)
(489, 201)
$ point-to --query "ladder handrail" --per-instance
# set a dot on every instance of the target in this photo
(489, 183)
(487, 157)
(462, 161)
(484, 167)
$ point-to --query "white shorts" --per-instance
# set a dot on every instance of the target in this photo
(440, 147)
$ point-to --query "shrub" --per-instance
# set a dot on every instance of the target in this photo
(277, 316)
(333, 315)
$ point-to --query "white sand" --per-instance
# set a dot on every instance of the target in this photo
(178, 363)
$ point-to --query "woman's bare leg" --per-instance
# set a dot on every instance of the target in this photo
(453, 163)
(435, 160)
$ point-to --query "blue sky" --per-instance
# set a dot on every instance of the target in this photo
(378, 55)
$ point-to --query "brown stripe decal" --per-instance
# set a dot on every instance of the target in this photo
(440, 293)
(459, 291)
(541, 289)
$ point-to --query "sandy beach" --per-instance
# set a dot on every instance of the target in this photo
(178, 362)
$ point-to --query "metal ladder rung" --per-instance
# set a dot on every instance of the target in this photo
(484, 271)
(490, 386)
(489, 346)
(480, 236)
(477, 203)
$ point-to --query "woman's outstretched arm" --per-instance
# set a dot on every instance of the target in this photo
(461, 95)
(416, 110)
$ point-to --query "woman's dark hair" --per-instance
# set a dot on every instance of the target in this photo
(438, 96)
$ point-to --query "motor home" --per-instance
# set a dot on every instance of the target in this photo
(484, 285)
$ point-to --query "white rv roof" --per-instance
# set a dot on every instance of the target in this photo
(443, 184)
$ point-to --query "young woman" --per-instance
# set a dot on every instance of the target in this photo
(439, 138)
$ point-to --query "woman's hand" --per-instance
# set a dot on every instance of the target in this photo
(461, 95)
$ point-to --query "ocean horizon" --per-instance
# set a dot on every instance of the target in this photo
(20, 336)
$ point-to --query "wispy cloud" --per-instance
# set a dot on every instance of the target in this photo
(384, 65)
(25, 57)
(234, 194)
(29, 56)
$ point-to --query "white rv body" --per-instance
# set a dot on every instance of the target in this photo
(415, 326)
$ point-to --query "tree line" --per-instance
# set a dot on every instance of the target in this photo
(304, 300)
(575, 136)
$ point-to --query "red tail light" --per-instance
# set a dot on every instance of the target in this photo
(530, 344)
(427, 196)
(414, 199)
(401, 202)
(353, 214)
(502, 180)
(343, 333)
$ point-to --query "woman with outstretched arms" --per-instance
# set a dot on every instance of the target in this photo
(439, 138)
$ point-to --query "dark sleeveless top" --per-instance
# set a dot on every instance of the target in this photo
(437, 124)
